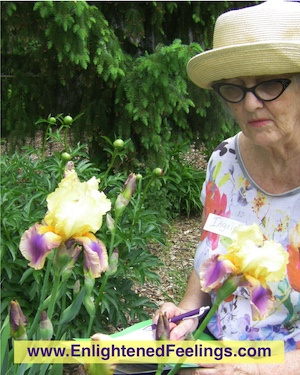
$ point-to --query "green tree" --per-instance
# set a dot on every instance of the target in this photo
(121, 63)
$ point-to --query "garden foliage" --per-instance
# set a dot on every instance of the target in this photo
(29, 176)
(121, 63)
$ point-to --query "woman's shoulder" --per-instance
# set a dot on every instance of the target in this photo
(225, 152)
(228, 145)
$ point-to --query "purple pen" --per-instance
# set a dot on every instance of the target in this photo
(188, 315)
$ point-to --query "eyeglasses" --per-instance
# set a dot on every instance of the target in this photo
(265, 91)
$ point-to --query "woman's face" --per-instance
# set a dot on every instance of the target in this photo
(269, 123)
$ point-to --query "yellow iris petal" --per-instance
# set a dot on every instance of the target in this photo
(75, 207)
(262, 260)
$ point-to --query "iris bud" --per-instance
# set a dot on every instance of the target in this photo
(110, 223)
(76, 288)
(113, 263)
(46, 328)
(89, 282)
(89, 305)
(163, 327)
(17, 321)
(124, 197)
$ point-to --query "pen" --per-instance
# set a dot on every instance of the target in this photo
(188, 315)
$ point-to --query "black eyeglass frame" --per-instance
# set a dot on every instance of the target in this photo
(284, 82)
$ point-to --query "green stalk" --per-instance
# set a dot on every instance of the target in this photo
(43, 294)
(160, 368)
(104, 281)
(45, 140)
(140, 204)
(225, 291)
(53, 296)
(115, 154)
(65, 138)
(197, 334)
(63, 307)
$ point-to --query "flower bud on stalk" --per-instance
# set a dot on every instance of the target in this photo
(76, 288)
(157, 172)
(163, 327)
(126, 194)
(46, 328)
(89, 305)
(68, 120)
(69, 167)
(65, 156)
(129, 186)
(113, 263)
(110, 223)
(118, 143)
(17, 321)
(89, 282)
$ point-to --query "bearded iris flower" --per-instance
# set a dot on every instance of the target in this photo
(252, 262)
(75, 211)
(255, 260)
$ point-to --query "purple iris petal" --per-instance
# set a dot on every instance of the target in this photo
(95, 255)
(262, 301)
(212, 272)
(36, 243)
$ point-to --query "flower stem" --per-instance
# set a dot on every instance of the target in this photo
(45, 140)
(112, 162)
(160, 368)
(197, 334)
(53, 299)
(225, 291)
(43, 294)
(140, 203)
(104, 281)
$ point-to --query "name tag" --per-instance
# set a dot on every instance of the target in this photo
(221, 225)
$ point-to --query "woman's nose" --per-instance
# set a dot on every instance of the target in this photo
(252, 103)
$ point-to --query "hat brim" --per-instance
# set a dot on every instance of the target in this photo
(255, 59)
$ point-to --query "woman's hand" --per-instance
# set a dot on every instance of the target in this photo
(180, 329)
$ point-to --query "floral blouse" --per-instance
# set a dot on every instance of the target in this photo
(230, 192)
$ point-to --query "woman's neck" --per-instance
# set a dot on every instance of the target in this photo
(276, 169)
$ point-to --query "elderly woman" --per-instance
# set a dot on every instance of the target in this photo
(253, 177)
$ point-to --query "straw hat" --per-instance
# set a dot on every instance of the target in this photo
(259, 40)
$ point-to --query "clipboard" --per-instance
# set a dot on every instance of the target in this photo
(137, 332)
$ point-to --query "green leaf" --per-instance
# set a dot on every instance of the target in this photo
(26, 274)
(72, 311)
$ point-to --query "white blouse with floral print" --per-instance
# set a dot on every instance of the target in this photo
(230, 192)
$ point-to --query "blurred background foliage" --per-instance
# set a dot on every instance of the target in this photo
(122, 64)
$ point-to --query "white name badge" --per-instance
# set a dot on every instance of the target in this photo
(221, 225)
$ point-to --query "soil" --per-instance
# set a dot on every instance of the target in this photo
(177, 259)
(178, 256)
